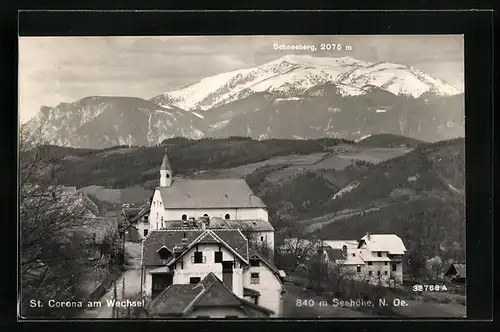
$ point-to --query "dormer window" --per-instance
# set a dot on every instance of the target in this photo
(184, 217)
(227, 216)
(164, 253)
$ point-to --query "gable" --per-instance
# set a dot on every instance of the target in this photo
(232, 240)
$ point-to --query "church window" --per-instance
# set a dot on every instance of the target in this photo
(184, 217)
(227, 216)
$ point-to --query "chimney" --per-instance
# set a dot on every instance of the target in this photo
(368, 236)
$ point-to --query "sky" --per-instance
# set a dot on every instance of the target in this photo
(65, 69)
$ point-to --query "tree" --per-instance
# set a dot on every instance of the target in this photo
(49, 247)
(295, 252)
(434, 267)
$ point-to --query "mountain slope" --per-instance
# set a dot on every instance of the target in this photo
(99, 122)
(323, 112)
(291, 75)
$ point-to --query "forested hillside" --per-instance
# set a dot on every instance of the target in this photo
(125, 166)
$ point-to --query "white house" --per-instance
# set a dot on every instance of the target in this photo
(387, 248)
(375, 258)
(188, 256)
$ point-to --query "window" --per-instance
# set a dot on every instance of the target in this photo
(385, 263)
(218, 256)
(369, 263)
(203, 317)
(254, 278)
(394, 267)
(205, 215)
(145, 232)
(378, 272)
(254, 262)
(168, 175)
(358, 269)
(146, 218)
(184, 217)
(370, 273)
(262, 238)
(198, 257)
(353, 255)
(231, 317)
(379, 254)
(385, 272)
(194, 280)
(227, 216)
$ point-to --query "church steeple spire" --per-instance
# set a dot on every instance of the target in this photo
(165, 172)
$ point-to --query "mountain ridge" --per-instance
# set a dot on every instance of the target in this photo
(268, 101)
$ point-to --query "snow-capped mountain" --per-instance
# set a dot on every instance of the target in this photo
(292, 75)
(293, 97)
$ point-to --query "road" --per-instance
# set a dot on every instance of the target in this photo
(130, 278)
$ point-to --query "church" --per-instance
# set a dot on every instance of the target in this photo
(222, 203)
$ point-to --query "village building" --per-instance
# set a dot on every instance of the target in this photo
(175, 261)
(226, 203)
(456, 272)
(136, 222)
(375, 258)
(210, 298)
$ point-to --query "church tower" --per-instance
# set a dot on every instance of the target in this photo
(165, 172)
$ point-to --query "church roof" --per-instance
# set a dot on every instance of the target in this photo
(165, 164)
(213, 193)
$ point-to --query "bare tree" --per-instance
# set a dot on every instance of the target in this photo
(48, 217)
(295, 252)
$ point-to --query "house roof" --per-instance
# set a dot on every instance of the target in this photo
(258, 225)
(334, 254)
(390, 243)
(457, 269)
(212, 193)
(250, 292)
(210, 292)
(167, 238)
(232, 239)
